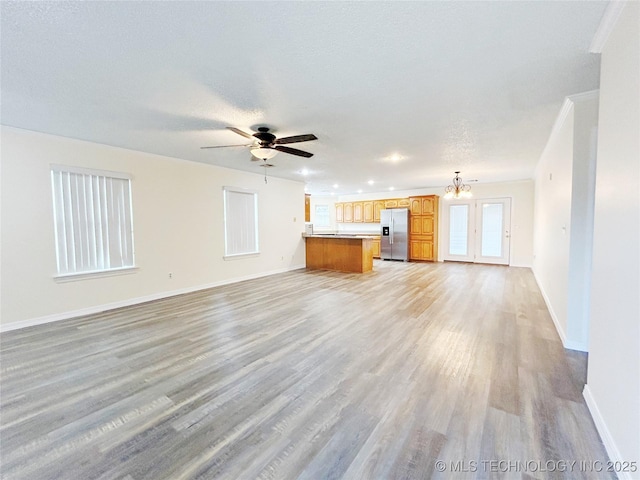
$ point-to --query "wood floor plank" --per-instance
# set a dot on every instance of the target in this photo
(305, 374)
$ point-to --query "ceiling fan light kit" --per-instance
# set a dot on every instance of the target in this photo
(263, 153)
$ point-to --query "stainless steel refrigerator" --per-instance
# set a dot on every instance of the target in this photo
(394, 234)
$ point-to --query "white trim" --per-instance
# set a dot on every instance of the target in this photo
(134, 301)
(90, 171)
(72, 277)
(567, 106)
(605, 434)
(608, 21)
(571, 345)
(585, 96)
(238, 256)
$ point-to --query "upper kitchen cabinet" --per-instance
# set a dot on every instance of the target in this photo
(367, 212)
(348, 212)
(423, 205)
(339, 212)
(396, 203)
(358, 214)
(377, 206)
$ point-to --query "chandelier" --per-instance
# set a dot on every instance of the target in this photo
(457, 189)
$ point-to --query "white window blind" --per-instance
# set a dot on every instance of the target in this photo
(93, 220)
(321, 217)
(240, 222)
(458, 229)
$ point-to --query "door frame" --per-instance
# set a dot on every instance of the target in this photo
(474, 231)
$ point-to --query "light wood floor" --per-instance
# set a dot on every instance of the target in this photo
(310, 375)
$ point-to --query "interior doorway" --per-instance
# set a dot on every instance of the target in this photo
(478, 230)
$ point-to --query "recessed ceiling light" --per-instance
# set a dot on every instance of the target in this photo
(305, 172)
(360, 191)
(370, 182)
(335, 185)
(395, 157)
(391, 188)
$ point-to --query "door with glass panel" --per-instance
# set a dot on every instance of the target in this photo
(478, 230)
(458, 223)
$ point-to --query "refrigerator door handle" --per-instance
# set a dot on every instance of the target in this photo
(391, 232)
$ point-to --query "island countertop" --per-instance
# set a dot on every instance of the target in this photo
(340, 235)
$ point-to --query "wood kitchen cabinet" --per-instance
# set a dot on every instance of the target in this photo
(421, 249)
(423, 230)
(339, 212)
(377, 206)
(423, 205)
(358, 215)
(307, 208)
(348, 212)
(422, 225)
(367, 212)
(375, 246)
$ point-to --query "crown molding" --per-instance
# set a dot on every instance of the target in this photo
(609, 20)
(584, 96)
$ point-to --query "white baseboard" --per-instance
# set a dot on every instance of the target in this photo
(550, 308)
(568, 344)
(56, 317)
(605, 435)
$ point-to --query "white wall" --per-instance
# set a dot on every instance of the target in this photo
(178, 227)
(552, 218)
(585, 132)
(563, 218)
(520, 192)
(613, 385)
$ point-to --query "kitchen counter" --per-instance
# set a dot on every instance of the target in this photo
(340, 252)
(341, 235)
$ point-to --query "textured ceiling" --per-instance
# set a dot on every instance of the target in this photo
(401, 93)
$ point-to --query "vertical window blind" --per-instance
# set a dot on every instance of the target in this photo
(240, 222)
(93, 220)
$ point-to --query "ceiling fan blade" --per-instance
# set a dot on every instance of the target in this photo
(240, 132)
(225, 146)
(293, 151)
(296, 138)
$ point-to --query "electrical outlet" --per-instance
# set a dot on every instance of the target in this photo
(170, 275)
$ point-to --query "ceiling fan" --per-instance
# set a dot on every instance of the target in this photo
(265, 144)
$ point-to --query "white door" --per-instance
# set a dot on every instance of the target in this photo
(458, 223)
(493, 231)
(478, 230)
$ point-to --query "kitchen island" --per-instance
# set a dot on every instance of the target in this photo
(340, 253)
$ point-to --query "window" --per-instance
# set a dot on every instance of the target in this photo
(93, 220)
(240, 222)
(321, 217)
(458, 229)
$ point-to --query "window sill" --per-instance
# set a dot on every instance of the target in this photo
(72, 277)
(238, 256)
